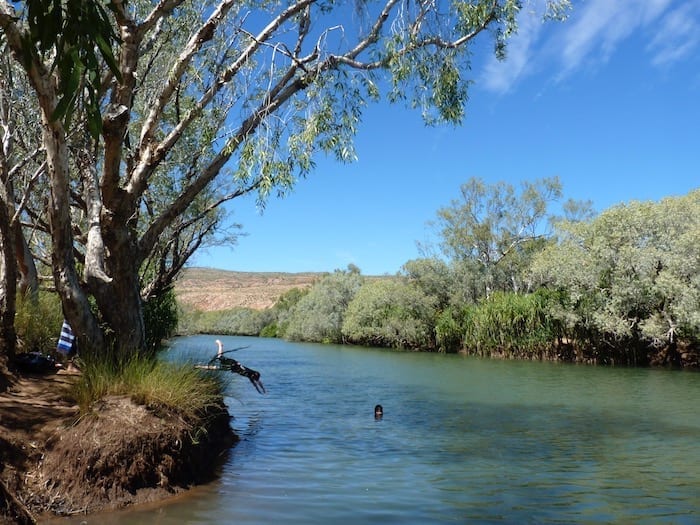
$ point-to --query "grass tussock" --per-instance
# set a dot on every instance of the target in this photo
(38, 322)
(172, 388)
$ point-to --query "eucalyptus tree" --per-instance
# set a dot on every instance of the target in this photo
(432, 275)
(210, 101)
(490, 231)
(392, 312)
(20, 168)
(318, 316)
(22, 162)
(632, 275)
(282, 312)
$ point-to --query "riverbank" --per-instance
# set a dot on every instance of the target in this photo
(54, 461)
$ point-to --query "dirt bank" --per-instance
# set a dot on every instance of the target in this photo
(53, 462)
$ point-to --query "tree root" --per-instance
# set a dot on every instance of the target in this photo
(14, 507)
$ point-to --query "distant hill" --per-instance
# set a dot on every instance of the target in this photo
(209, 289)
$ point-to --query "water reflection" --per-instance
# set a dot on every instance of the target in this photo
(461, 440)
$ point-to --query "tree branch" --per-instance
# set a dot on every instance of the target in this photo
(278, 95)
(159, 12)
(203, 34)
(350, 58)
(151, 157)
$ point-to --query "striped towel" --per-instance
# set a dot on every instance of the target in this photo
(66, 340)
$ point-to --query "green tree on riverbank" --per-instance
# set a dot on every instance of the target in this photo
(320, 314)
(632, 276)
(391, 313)
(622, 287)
(493, 230)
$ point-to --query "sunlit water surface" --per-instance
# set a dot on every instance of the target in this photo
(462, 440)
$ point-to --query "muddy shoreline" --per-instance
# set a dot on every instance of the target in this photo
(55, 462)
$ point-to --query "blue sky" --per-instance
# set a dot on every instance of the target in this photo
(608, 101)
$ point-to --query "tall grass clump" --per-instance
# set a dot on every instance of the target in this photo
(449, 329)
(38, 321)
(514, 325)
(165, 387)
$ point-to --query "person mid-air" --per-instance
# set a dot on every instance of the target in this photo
(221, 362)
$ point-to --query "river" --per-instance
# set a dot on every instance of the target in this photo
(462, 440)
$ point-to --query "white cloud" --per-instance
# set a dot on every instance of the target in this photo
(500, 75)
(582, 35)
(670, 29)
(598, 27)
(678, 35)
(593, 34)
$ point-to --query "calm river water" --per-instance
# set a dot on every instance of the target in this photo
(462, 440)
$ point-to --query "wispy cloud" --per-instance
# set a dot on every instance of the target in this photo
(588, 31)
(499, 75)
(678, 36)
(600, 26)
(670, 30)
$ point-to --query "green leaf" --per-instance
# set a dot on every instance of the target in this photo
(94, 120)
(62, 107)
(108, 56)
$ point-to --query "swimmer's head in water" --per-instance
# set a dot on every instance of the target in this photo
(378, 411)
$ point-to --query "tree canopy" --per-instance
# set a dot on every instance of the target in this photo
(633, 273)
(492, 229)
